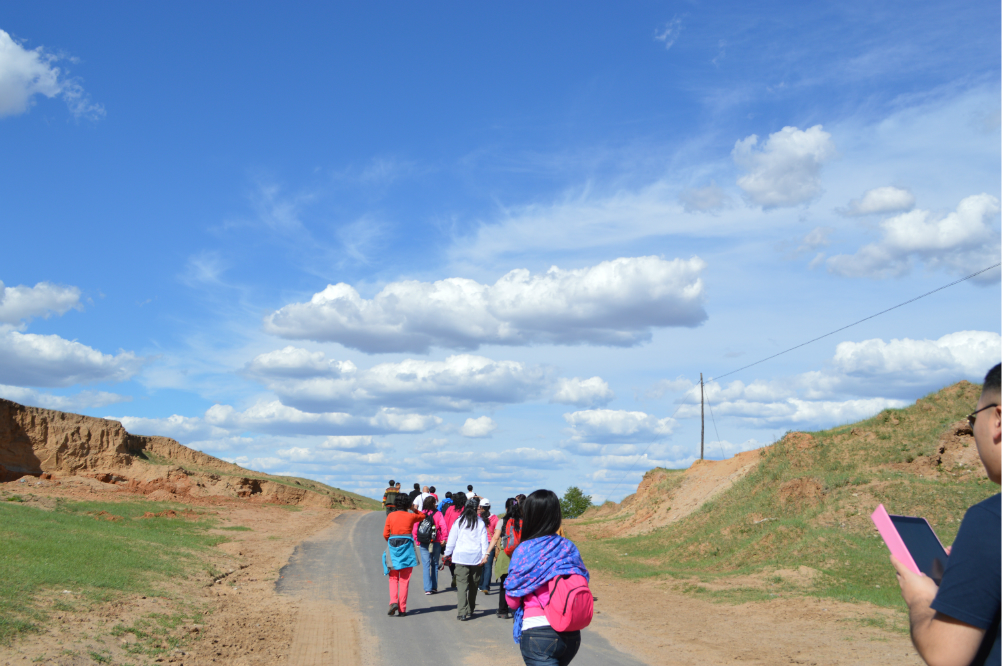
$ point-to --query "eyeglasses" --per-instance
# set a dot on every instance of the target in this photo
(973, 416)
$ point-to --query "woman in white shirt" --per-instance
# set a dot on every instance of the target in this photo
(467, 548)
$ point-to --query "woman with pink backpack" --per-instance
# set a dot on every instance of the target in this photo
(548, 585)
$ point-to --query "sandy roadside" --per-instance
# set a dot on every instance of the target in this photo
(660, 625)
(245, 623)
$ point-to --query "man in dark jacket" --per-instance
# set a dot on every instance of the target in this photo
(414, 493)
(957, 623)
(390, 497)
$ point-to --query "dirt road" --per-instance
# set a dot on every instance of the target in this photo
(342, 619)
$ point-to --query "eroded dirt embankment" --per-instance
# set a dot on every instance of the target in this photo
(665, 496)
(51, 444)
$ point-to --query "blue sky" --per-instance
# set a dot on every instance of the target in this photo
(493, 245)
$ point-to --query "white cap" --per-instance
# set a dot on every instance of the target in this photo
(484, 501)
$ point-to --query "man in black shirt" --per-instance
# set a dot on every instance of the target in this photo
(414, 493)
(957, 624)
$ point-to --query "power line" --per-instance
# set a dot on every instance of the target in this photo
(820, 337)
(715, 431)
(785, 351)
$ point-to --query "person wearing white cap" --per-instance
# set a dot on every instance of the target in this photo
(490, 522)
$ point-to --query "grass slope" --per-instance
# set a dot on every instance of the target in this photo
(817, 501)
(92, 554)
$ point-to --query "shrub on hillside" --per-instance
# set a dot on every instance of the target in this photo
(574, 502)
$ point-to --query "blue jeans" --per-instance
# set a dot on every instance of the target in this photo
(543, 646)
(429, 558)
(485, 577)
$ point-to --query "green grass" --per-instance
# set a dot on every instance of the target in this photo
(159, 633)
(832, 533)
(70, 548)
(237, 528)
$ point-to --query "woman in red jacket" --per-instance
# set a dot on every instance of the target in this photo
(400, 559)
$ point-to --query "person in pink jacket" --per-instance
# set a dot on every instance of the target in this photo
(430, 543)
(451, 515)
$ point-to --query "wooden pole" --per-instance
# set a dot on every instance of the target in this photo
(702, 421)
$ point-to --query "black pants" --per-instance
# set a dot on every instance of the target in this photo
(543, 646)
(502, 602)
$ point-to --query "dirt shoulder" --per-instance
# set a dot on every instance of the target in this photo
(238, 619)
(660, 625)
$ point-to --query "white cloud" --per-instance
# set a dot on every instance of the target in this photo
(728, 449)
(478, 427)
(817, 237)
(641, 463)
(25, 73)
(66, 403)
(709, 199)
(669, 386)
(786, 170)
(669, 32)
(616, 425)
(274, 417)
(503, 462)
(962, 241)
(185, 429)
(354, 443)
(862, 379)
(461, 382)
(585, 218)
(223, 421)
(293, 362)
(880, 200)
(798, 412)
(22, 303)
(614, 303)
(951, 357)
(583, 392)
(303, 455)
(27, 359)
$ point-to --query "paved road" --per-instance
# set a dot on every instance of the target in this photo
(339, 576)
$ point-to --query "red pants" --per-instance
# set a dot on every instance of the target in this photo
(400, 580)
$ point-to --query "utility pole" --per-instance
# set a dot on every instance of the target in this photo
(702, 421)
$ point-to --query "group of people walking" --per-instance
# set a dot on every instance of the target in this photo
(460, 532)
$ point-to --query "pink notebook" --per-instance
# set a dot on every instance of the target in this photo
(892, 538)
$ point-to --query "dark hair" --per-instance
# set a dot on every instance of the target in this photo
(469, 518)
(431, 489)
(449, 495)
(459, 500)
(402, 502)
(429, 504)
(992, 384)
(469, 488)
(520, 498)
(392, 482)
(512, 512)
(540, 515)
(417, 486)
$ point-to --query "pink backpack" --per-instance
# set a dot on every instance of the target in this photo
(571, 605)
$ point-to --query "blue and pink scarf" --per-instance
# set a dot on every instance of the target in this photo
(535, 562)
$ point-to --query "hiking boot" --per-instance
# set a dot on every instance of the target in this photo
(393, 609)
(401, 613)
